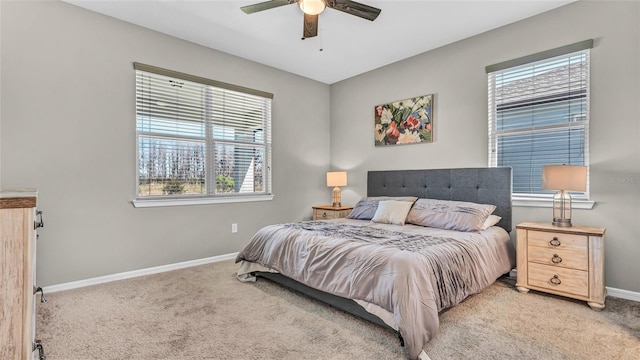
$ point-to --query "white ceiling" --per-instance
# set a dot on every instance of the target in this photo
(350, 45)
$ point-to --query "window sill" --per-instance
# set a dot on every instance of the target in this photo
(143, 203)
(548, 202)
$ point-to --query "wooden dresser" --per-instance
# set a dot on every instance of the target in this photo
(328, 212)
(567, 261)
(17, 274)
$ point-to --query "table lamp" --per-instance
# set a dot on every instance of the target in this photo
(563, 178)
(336, 179)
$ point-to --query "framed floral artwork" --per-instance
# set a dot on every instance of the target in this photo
(404, 122)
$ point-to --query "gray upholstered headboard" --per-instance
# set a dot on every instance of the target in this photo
(478, 185)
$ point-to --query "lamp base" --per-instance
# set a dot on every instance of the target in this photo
(336, 197)
(561, 222)
(562, 209)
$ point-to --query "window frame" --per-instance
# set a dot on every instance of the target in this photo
(211, 141)
(579, 201)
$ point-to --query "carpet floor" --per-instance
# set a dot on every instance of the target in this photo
(203, 312)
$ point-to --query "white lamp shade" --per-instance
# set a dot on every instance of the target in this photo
(311, 7)
(337, 178)
(564, 177)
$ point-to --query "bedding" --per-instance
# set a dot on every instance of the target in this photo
(366, 208)
(451, 215)
(491, 221)
(404, 274)
(392, 212)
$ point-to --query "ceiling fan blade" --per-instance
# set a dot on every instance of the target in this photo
(310, 26)
(354, 8)
(250, 9)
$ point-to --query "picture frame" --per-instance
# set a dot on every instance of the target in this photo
(408, 121)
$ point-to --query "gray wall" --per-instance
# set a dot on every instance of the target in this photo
(0, 105)
(455, 74)
(68, 128)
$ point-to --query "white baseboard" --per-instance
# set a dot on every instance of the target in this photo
(623, 294)
(619, 293)
(136, 273)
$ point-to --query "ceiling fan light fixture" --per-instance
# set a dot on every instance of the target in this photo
(312, 7)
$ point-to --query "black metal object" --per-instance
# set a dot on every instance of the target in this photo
(39, 290)
(555, 280)
(38, 224)
(37, 345)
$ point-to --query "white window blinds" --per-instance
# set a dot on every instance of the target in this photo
(200, 138)
(539, 115)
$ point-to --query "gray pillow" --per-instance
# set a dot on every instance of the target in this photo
(449, 215)
(366, 208)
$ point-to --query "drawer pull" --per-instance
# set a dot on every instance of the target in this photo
(555, 280)
(39, 221)
(38, 289)
(554, 241)
(556, 259)
(37, 345)
(324, 214)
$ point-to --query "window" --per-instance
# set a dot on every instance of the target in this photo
(198, 138)
(539, 115)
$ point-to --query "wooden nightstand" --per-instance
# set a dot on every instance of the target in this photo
(567, 261)
(326, 212)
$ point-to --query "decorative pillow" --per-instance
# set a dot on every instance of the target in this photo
(491, 220)
(449, 215)
(367, 206)
(392, 212)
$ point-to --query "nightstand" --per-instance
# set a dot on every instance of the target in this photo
(566, 261)
(326, 212)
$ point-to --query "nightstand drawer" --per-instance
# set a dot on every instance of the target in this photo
(328, 212)
(558, 279)
(573, 258)
(555, 240)
(321, 214)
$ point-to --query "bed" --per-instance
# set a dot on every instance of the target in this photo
(394, 268)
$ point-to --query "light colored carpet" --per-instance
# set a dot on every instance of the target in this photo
(205, 313)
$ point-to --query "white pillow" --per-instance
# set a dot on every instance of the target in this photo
(392, 212)
(491, 220)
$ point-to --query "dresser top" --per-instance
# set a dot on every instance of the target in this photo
(18, 198)
(575, 229)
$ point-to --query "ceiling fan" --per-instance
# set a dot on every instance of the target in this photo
(311, 9)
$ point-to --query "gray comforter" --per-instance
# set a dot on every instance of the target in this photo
(412, 272)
